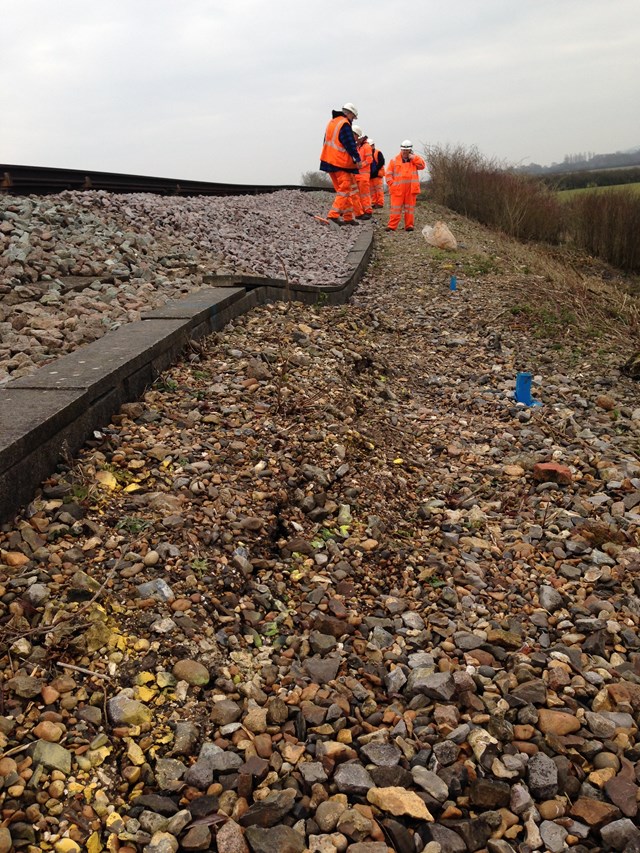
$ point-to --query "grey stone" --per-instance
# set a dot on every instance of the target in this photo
(600, 725)
(447, 839)
(395, 680)
(270, 811)
(422, 660)
(25, 686)
(382, 754)
(186, 736)
(542, 776)
(312, 771)
(168, 770)
(621, 834)
(431, 783)
(549, 598)
(152, 822)
(197, 838)
(162, 842)
(435, 685)
(158, 589)
(446, 752)
(124, 710)
(328, 814)
(413, 620)
(225, 711)
(352, 778)
(278, 839)
(51, 755)
(553, 836)
(381, 639)
(468, 641)
(322, 670)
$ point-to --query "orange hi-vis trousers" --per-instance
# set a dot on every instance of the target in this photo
(377, 192)
(402, 200)
(364, 190)
(343, 200)
(355, 196)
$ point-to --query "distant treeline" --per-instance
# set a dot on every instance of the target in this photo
(582, 179)
(578, 162)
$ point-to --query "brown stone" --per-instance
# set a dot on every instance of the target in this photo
(552, 472)
(604, 401)
(624, 794)
(557, 722)
(594, 812)
(552, 809)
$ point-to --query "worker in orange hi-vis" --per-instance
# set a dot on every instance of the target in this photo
(377, 175)
(404, 185)
(341, 161)
(364, 175)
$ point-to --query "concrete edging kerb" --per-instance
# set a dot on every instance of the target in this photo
(52, 412)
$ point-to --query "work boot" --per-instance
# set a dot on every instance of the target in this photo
(410, 228)
(366, 216)
(389, 229)
(352, 222)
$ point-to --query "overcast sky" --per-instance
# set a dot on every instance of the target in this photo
(241, 90)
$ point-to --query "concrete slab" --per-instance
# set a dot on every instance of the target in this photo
(106, 361)
(29, 458)
(28, 418)
(197, 306)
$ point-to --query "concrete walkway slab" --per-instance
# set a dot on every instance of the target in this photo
(49, 415)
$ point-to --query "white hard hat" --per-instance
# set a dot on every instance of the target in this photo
(371, 142)
(356, 129)
(407, 145)
(351, 108)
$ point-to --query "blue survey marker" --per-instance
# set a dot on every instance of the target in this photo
(523, 390)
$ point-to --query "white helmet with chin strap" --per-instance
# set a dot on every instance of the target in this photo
(406, 145)
(350, 108)
(356, 129)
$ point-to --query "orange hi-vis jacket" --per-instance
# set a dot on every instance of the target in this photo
(366, 156)
(333, 151)
(400, 174)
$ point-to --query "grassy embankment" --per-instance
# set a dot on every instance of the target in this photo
(565, 195)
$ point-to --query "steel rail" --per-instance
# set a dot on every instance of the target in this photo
(42, 180)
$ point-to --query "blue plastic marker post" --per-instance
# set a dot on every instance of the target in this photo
(523, 390)
(453, 284)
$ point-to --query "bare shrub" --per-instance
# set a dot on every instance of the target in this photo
(320, 180)
(607, 224)
(520, 205)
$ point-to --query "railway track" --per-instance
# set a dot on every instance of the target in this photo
(42, 180)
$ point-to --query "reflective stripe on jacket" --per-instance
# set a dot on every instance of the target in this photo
(333, 151)
(366, 157)
(400, 174)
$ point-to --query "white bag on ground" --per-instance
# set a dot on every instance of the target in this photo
(439, 236)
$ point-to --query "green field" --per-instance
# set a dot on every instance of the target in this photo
(565, 194)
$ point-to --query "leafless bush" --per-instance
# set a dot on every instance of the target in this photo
(321, 180)
(607, 224)
(482, 189)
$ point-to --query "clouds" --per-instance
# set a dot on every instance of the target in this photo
(241, 92)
